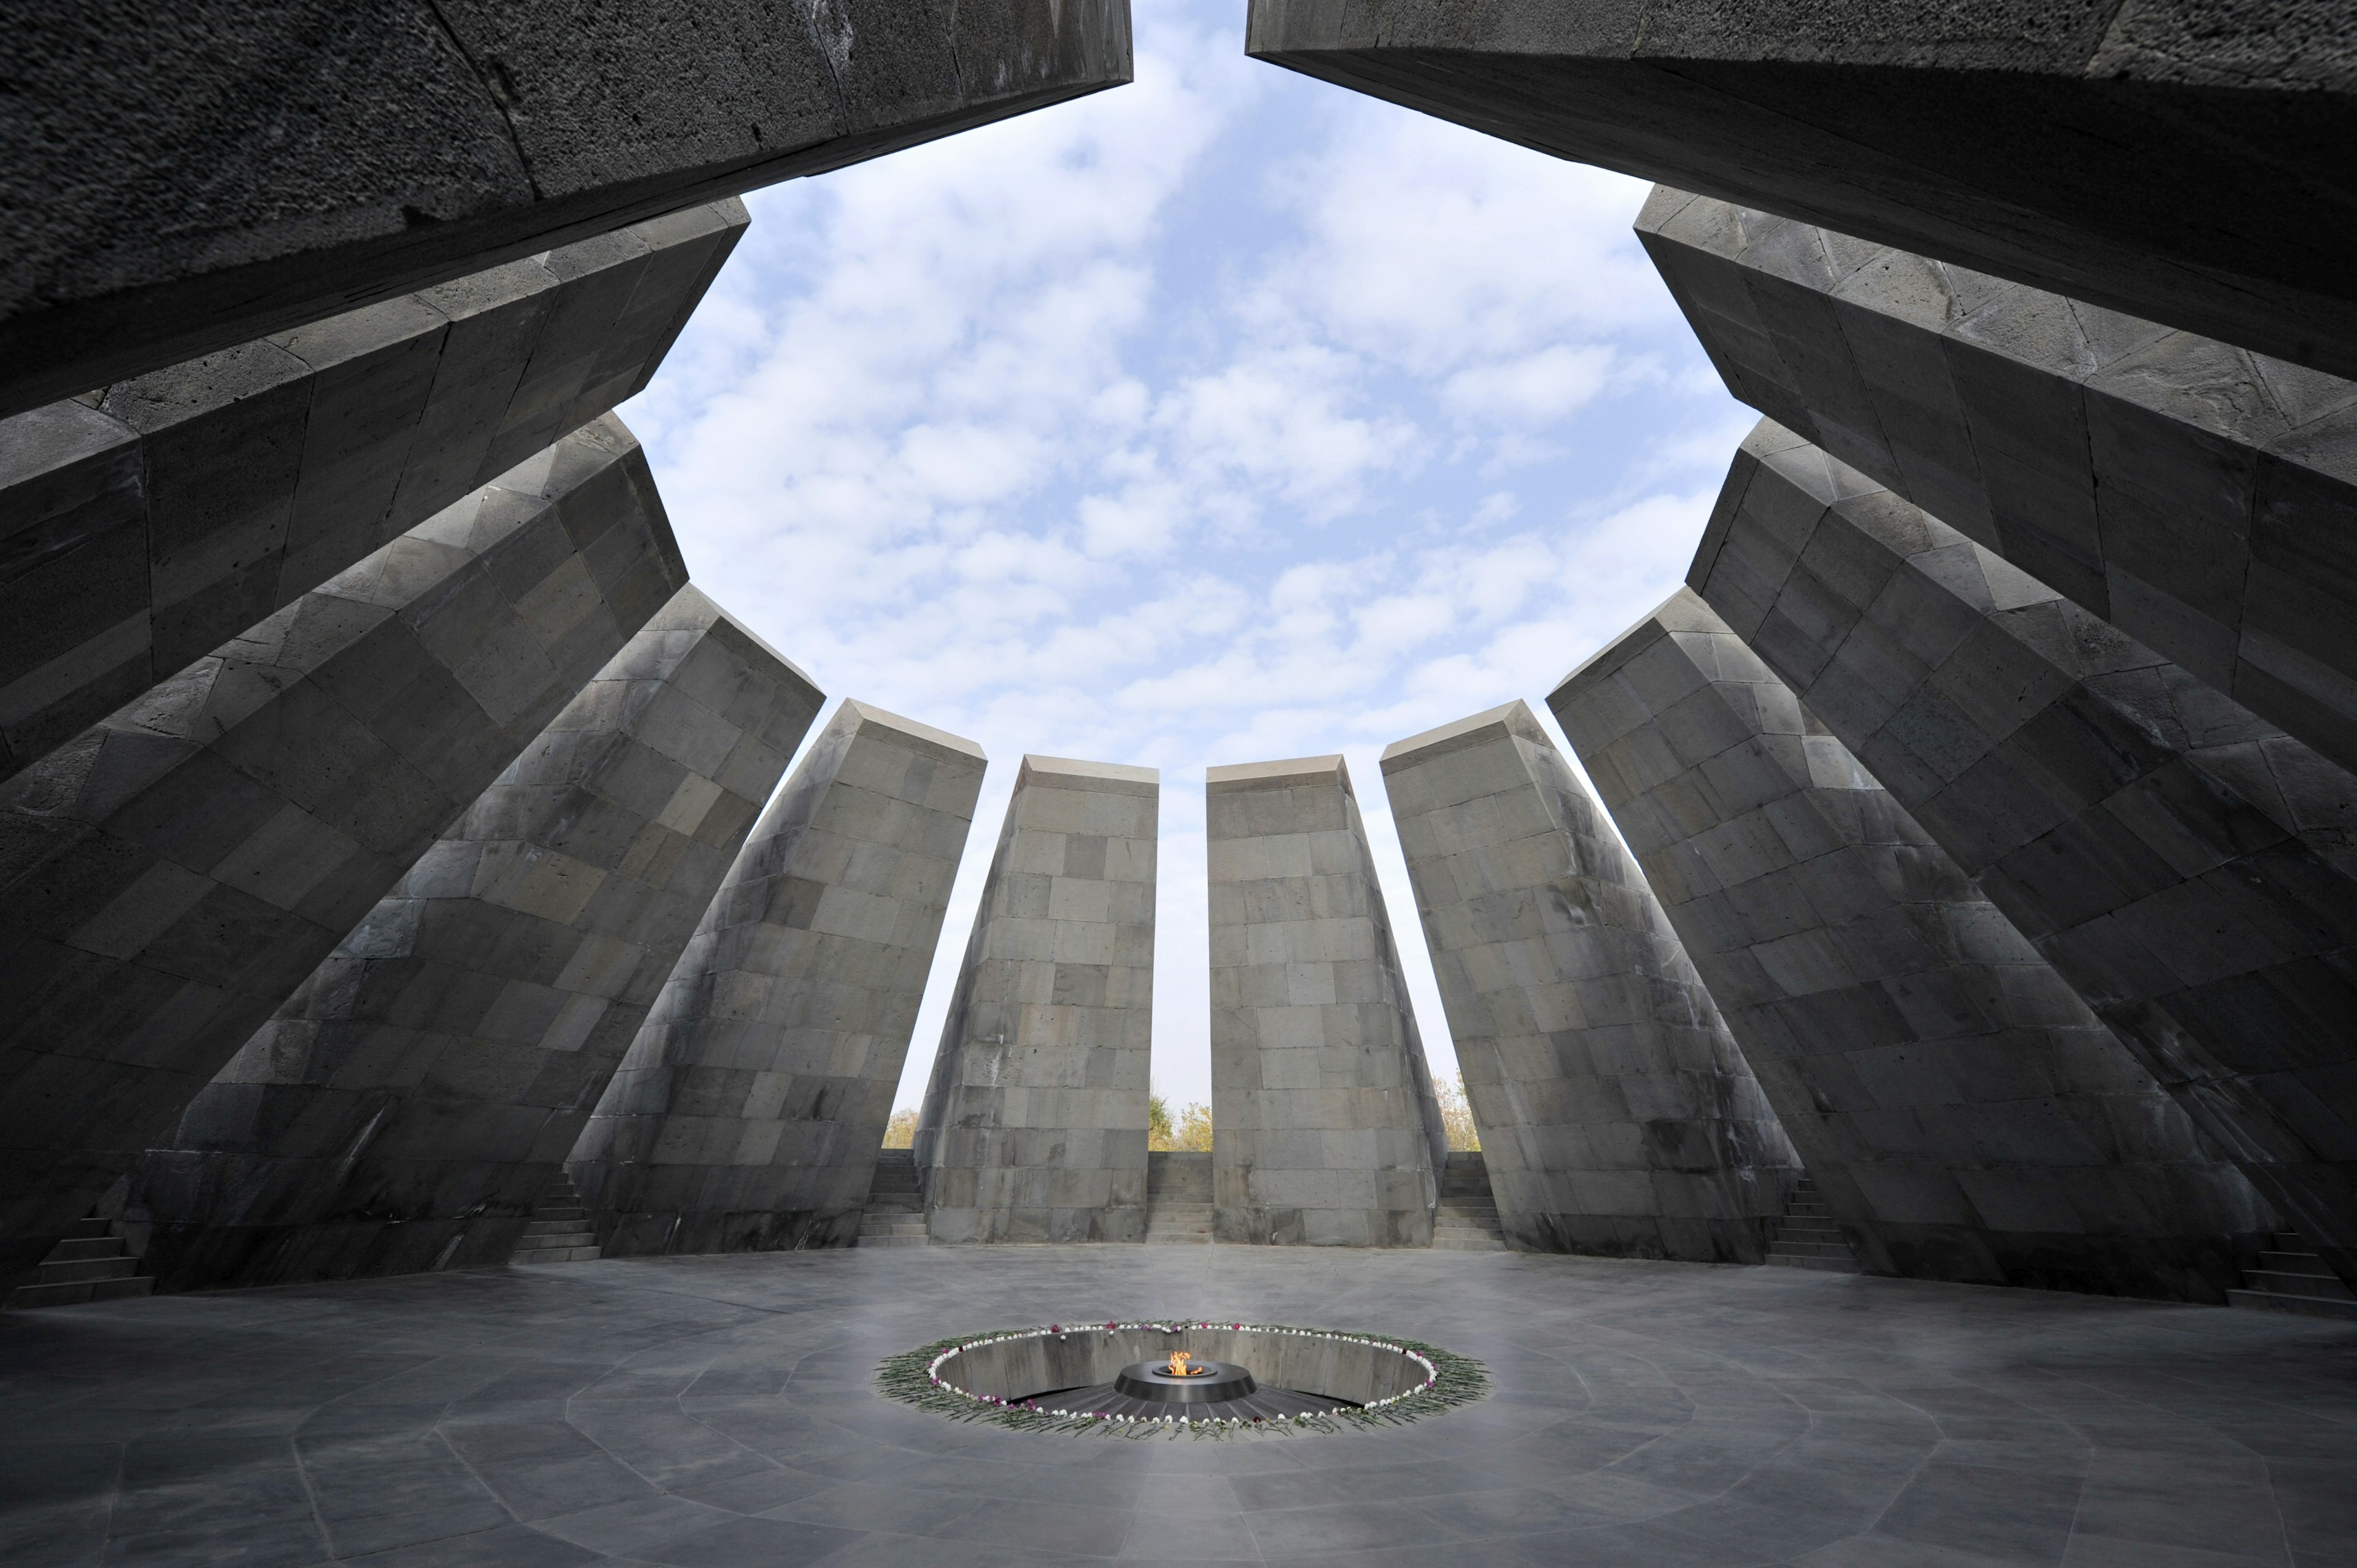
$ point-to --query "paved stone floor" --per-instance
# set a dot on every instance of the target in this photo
(711, 1412)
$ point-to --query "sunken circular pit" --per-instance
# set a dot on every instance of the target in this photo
(1181, 1376)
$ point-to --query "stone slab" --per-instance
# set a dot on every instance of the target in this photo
(1325, 1130)
(149, 522)
(1034, 1121)
(1966, 1115)
(171, 875)
(2062, 147)
(175, 180)
(2188, 868)
(749, 1113)
(1616, 1113)
(411, 1103)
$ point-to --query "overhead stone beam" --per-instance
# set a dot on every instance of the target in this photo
(171, 875)
(1964, 1114)
(2185, 865)
(1325, 1130)
(751, 1107)
(1034, 1121)
(175, 180)
(2201, 497)
(1617, 1115)
(2184, 162)
(146, 523)
(409, 1104)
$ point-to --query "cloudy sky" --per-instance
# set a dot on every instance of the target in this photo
(1220, 417)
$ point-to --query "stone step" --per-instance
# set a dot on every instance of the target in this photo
(538, 1254)
(560, 1211)
(541, 1226)
(90, 1228)
(1807, 1208)
(76, 1271)
(893, 1225)
(1843, 1264)
(1475, 1243)
(2285, 1282)
(1781, 1248)
(77, 1293)
(1830, 1233)
(920, 1240)
(2273, 1300)
(544, 1240)
(78, 1248)
(2291, 1264)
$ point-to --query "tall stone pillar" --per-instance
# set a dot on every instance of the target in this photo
(1324, 1129)
(2185, 865)
(749, 1113)
(1964, 1114)
(1617, 1115)
(1034, 1123)
(2198, 495)
(170, 876)
(409, 1105)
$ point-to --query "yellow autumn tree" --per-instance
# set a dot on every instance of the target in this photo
(901, 1133)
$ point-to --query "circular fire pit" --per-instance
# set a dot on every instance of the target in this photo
(1181, 1381)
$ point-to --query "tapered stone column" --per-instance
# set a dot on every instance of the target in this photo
(170, 876)
(409, 1105)
(151, 521)
(2198, 497)
(749, 1112)
(1964, 1114)
(2185, 865)
(1034, 1123)
(1617, 1115)
(1324, 1128)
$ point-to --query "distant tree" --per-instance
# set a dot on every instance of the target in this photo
(1193, 1131)
(901, 1133)
(1457, 1114)
(1157, 1123)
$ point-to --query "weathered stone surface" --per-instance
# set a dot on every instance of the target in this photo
(2062, 145)
(1033, 1121)
(748, 1115)
(1616, 1113)
(1324, 1128)
(174, 179)
(1964, 1114)
(147, 524)
(2189, 869)
(409, 1105)
(171, 875)
(2201, 497)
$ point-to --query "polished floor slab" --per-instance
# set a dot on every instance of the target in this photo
(707, 1411)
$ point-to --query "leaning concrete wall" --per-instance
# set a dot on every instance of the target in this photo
(409, 1105)
(1964, 1114)
(1324, 1131)
(1617, 1115)
(154, 519)
(749, 1111)
(1034, 1121)
(2197, 496)
(2186, 867)
(168, 878)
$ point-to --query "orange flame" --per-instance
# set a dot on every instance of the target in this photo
(1178, 1368)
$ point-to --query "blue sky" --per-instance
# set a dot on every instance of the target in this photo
(1220, 417)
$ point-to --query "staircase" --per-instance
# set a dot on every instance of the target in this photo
(90, 1263)
(559, 1230)
(896, 1204)
(2290, 1278)
(1177, 1199)
(1467, 1221)
(1807, 1238)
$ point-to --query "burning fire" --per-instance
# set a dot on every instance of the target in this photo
(1180, 1369)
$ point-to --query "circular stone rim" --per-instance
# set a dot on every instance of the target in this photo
(1217, 1382)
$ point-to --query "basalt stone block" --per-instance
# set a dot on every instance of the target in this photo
(749, 1112)
(2062, 147)
(1325, 1130)
(1616, 1112)
(1964, 1114)
(1033, 1121)
(175, 180)
(2198, 497)
(146, 523)
(2188, 868)
(170, 876)
(413, 1098)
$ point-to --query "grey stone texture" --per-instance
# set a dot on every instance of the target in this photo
(171, 875)
(1964, 1114)
(2198, 497)
(146, 523)
(1325, 1130)
(2062, 145)
(748, 1115)
(175, 180)
(1033, 1121)
(1616, 1113)
(2189, 869)
(409, 1104)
